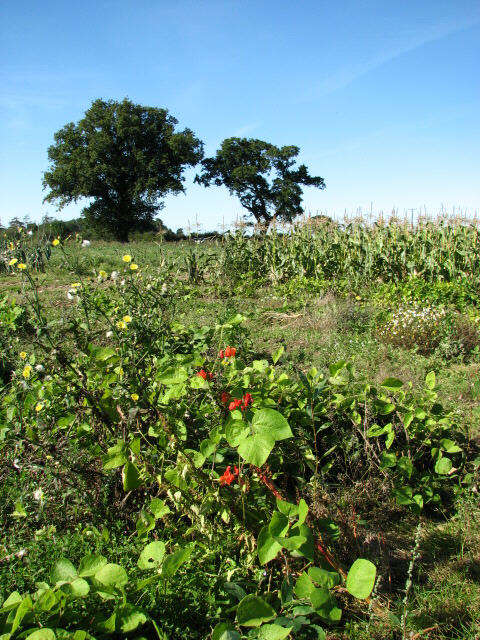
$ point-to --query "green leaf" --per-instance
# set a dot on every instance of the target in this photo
(307, 548)
(42, 634)
(103, 353)
(278, 354)
(115, 456)
(236, 431)
(19, 510)
(278, 524)
(252, 611)
(89, 565)
(304, 586)
(392, 384)
(159, 508)
(13, 600)
(271, 422)
(449, 446)
(131, 477)
(256, 449)
(63, 571)
(361, 578)
(225, 631)
(175, 560)
(152, 555)
(292, 543)
(267, 548)
(46, 600)
(129, 618)
(302, 511)
(78, 588)
(287, 508)
(112, 575)
(323, 578)
(273, 632)
(325, 604)
(443, 466)
(430, 380)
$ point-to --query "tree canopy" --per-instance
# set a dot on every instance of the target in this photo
(263, 176)
(123, 156)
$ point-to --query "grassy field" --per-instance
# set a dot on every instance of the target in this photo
(60, 497)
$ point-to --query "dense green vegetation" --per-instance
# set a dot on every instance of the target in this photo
(261, 436)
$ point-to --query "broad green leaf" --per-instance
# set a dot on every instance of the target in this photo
(19, 510)
(104, 353)
(325, 604)
(129, 618)
(115, 456)
(361, 578)
(89, 565)
(287, 508)
(292, 543)
(271, 422)
(42, 634)
(304, 586)
(252, 611)
(159, 508)
(131, 477)
(443, 466)
(302, 511)
(392, 384)
(236, 431)
(23, 608)
(256, 449)
(307, 548)
(430, 380)
(46, 600)
(152, 555)
(450, 446)
(112, 575)
(62, 571)
(323, 578)
(13, 600)
(278, 524)
(273, 632)
(225, 631)
(175, 560)
(78, 588)
(267, 548)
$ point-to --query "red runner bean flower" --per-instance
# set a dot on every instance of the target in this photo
(229, 352)
(228, 477)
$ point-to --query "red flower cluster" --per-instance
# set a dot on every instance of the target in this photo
(203, 374)
(228, 477)
(225, 397)
(229, 352)
(243, 404)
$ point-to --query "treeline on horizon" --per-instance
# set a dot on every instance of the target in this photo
(53, 228)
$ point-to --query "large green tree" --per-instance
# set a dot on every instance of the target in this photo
(263, 176)
(123, 156)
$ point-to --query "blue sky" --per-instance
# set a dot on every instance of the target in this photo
(382, 97)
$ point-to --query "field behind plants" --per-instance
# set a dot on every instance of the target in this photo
(265, 436)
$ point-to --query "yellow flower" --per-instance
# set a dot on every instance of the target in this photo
(75, 285)
(134, 397)
(12, 262)
(127, 319)
(133, 266)
(23, 355)
(55, 242)
(127, 258)
(21, 265)
(102, 273)
(121, 324)
(38, 407)
(27, 370)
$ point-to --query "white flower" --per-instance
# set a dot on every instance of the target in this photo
(38, 495)
(114, 275)
(15, 463)
(109, 334)
(39, 367)
(85, 243)
(164, 287)
(72, 295)
(30, 233)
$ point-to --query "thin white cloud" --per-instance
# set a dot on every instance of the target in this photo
(247, 128)
(343, 77)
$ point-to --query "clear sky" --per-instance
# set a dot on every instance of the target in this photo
(383, 97)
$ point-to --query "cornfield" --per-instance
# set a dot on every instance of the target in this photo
(393, 251)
